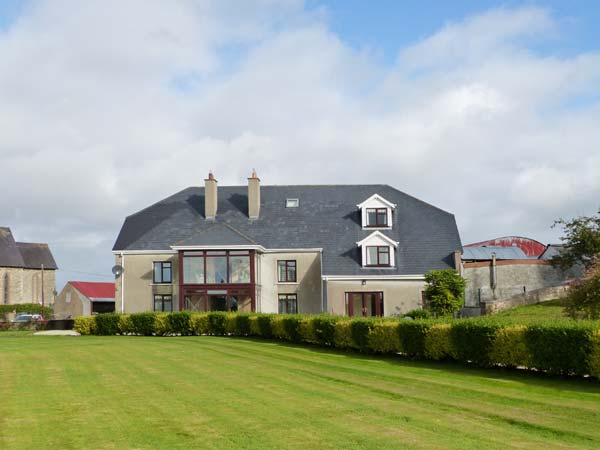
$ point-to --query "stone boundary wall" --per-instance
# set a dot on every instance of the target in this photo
(529, 298)
(514, 278)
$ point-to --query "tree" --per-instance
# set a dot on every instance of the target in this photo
(445, 291)
(581, 242)
(583, 300)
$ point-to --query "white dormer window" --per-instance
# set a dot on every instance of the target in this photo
(376, 212)
(377, 250)
(292, 203)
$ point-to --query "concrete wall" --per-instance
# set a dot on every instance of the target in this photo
(70, 303)
(138, 286)
(512, 278)
(399, 296)
(25, 286)
(529, 298)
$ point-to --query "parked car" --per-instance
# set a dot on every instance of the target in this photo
(24, 318)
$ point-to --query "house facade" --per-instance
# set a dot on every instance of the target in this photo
(27, 271)
(83, 298)
(357, 250)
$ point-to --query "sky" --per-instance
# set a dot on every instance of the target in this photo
(489, 110)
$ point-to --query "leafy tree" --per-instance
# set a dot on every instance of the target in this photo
(583, 300)
(445, 291)
(581, 242)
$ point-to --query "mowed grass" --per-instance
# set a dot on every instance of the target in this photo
(225, 393)
(550, 310)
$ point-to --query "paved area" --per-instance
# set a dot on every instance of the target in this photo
(56, 333)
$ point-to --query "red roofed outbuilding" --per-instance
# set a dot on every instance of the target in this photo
(82, 298)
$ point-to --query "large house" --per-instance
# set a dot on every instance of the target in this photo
(26, 271)
(341, 249)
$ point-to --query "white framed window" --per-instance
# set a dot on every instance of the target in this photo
(292, 203)
(378, 250)
(376, 212)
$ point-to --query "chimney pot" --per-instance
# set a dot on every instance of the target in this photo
(210, 196)
(253, 196)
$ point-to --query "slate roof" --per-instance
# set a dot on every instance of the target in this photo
(484, 253)
(327, 217)
(552, 250)
(24, 254)
(9, 253)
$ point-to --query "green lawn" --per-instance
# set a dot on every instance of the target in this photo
(223, 393)
(551, 310)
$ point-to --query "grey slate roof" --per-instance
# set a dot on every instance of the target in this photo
(9, 252)
(484, 253)
(34, 255)
(552, 250)
(24, 254)
(326, 218)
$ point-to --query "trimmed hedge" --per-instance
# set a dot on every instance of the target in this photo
(30, 308)
(571, 348)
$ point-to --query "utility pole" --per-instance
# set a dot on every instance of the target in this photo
(43, 292)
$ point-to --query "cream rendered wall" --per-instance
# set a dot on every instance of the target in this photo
(137, 280)
(307, 286)
(78, 306)
(399, 296)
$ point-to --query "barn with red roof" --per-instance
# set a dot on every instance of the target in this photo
(82, 298)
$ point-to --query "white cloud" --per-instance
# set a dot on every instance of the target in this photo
(106, 107)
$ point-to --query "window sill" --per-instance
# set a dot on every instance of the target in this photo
(368, 227)
(378, 267)
(287, 282)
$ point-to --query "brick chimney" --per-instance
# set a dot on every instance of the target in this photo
(253, 196)
(210, 197)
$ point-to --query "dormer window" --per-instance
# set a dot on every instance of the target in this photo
(376, 212)
(378, 255)
(377, 250)
(292, 203)
(377, 217)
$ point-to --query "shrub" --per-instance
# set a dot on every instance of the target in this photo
(216, 323)
(438, 342)
(412, 335)
(307, 330)
(384, 337)
(342, 335)
(277, 327)
(264, 325)
(30, 308)
(445, 291)
(254, 328)
(324, 329)
(124, 324)
(161, 327)
(418, 314)
(143, 323)
(593, 361)
(360, 328)
(583, 300)
(293, 327)
(243, 324)
(107, 324)
(473, 339)
(85, 325)
(509, 347)
(559, 348)
(231, 325)
(199, 324)
(179, 323)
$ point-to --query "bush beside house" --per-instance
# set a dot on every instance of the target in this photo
(570, 348)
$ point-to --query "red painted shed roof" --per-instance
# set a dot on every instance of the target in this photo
(95, 290)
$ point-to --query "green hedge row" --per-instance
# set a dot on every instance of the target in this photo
(31, 308)
(571, 348)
